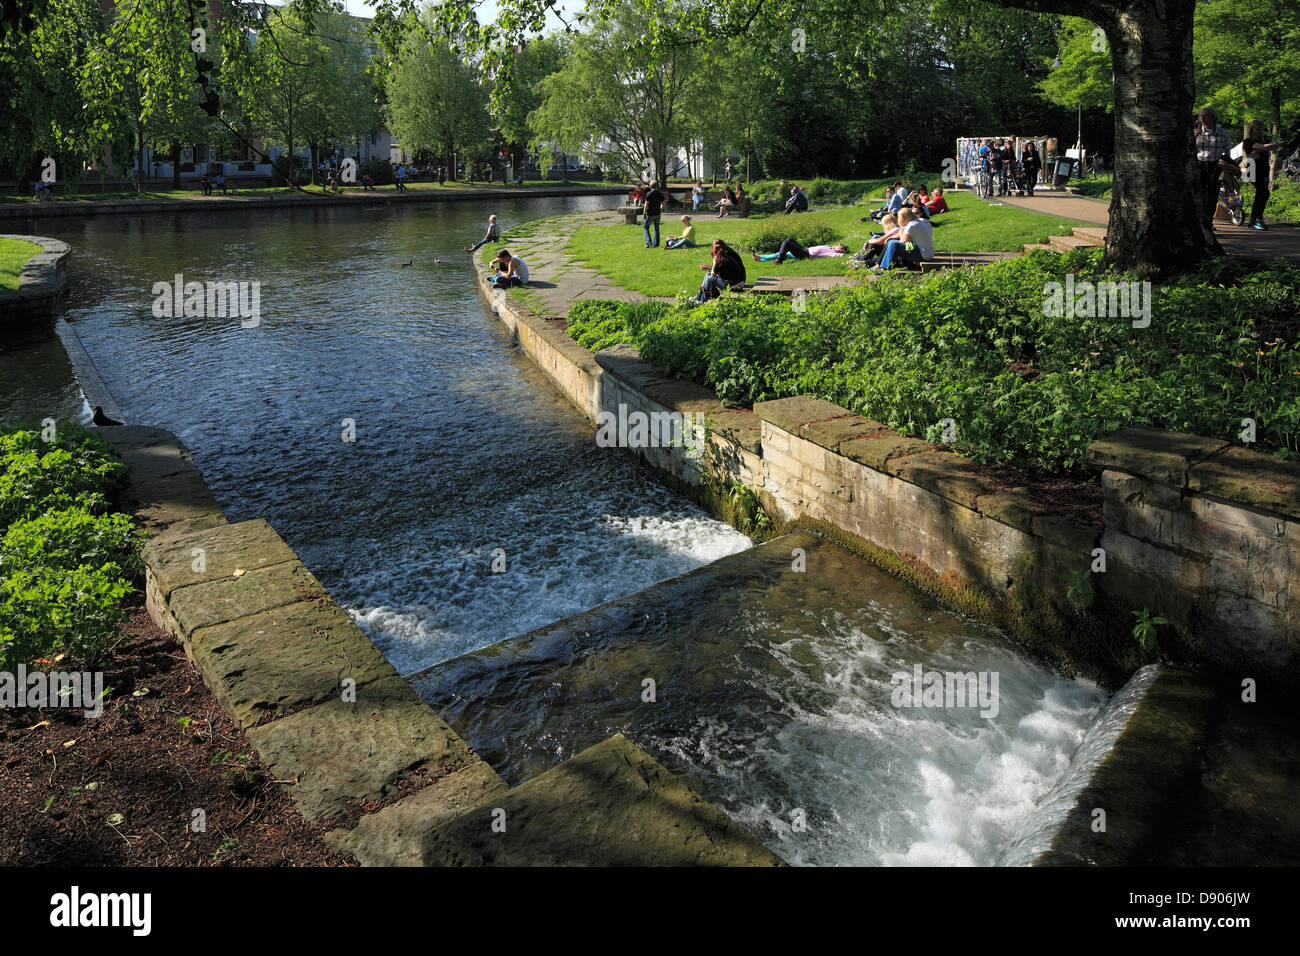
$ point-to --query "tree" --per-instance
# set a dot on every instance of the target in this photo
(616, 87)
(1246, 56)
(534, 62)
(435, 101)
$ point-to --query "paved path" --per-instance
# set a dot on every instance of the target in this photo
(1278, 240)
(555, 278)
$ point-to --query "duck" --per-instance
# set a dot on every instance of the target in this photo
(405, 264)
(102, 420)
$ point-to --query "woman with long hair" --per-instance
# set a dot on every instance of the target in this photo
(1252, 148)
(727, 270)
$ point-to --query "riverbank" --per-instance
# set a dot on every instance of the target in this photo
(191, 201)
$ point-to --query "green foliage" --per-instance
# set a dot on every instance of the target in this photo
(76, 469)
(975, 345)
(805, 228)
(599, 323)
(1146, 629)
(65, 565)
(1084, 75)
(381, 170)
(69, 538)
(47, 611)
(1078, 589)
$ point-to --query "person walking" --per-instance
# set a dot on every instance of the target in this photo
(1253, 149)
(399, 178)
(1212, 145)
(654, 203)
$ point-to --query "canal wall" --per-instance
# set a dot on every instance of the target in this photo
(249, 200)
(41, 286)
(1195, 531)
(365, 758)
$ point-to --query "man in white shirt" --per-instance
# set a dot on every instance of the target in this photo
(915, 242)
(511, 270)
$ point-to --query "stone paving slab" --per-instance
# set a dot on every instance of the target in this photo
(1152, 453)
(270, 663)
(611, 805)
(792, 414)
(230, 598)
(165, 486)
(340, 753)
(396, 835)
(1250, 478)
(226, 549)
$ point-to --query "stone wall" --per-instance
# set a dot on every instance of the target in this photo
(41, 285)
(1193, 530)
(1206, 534)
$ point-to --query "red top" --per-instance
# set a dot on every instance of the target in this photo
(937, 204)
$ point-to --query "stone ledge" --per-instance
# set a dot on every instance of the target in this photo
(792, 414)
(340, 753)
(1249, 478)
(396, 835)
(165, 485)
(611, 805)
(1162, 456)
(231, 598)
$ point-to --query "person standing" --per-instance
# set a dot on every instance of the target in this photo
(654, 203)
(1031, 163)
(1212, 145)
(399, 178)
(1253, 149)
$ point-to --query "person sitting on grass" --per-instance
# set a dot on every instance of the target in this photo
(873, 247)
(511, 270)
(797, 202)
(937, 203)
(915, 243)
(791, 248)
(367, 182)
(727, 271)
(492, 235)
(917, 205)
(686, 240)
(894, 202)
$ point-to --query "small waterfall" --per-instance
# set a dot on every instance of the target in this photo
(1034, 837)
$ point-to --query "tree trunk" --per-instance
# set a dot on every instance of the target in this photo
(176, 165)
(1155, 225)
(1279, 136)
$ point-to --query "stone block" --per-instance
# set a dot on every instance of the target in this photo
(230, 598)
(1249, 478)
(611, 805)
(226, 549)
(792, 414)
(1164, 457)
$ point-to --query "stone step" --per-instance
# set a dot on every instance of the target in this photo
(1031, 246)
(1070, 243)
(1097, 233)
(611, 805)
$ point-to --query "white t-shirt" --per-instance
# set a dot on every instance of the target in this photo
(522, 268)
(920, 232)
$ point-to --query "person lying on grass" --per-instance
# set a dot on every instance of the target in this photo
(686, 240)
(874, 246)
(791, 248)
(726, 271)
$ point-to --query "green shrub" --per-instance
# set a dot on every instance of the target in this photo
(599, 324)
(976, 346)
(46, 611)
(75, 469)
(805, 229)
(378, 169)
(70, 538)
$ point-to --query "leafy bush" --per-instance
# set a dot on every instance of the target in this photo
(65, 564)
(68, 539)
(45, 611)
(976, 346)
(805, 229)
(599, 324)
(76, 469)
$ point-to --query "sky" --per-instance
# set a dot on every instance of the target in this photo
(488, 9)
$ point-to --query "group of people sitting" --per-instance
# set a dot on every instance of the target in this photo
(922, 203)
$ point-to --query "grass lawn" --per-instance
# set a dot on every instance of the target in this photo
(14, 254)
(618, 251)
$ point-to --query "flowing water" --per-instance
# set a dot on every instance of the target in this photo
(474, 507)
